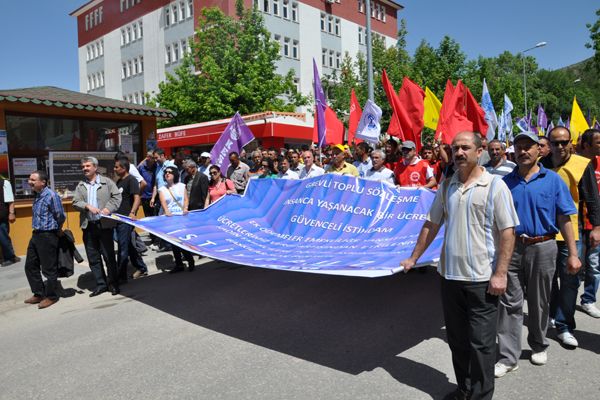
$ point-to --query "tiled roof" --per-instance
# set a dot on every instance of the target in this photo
(57, 97)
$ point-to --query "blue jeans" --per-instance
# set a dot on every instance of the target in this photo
(127, 251)
(564, 290)
(591, 272)
(7, 248)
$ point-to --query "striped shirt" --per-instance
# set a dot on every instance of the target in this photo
(474, 217)
(48, 212)
(505, 168)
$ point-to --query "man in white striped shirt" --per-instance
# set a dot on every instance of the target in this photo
(479, 214)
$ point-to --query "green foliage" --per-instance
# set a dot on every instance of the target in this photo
(231, 68)
(595, 41)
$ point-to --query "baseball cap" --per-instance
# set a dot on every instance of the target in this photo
(205, 155)
(409, 144)
(527, 134)
(339, 147)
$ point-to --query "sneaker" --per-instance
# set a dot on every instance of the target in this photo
(539, 358)
(153, 247)
(176, 269)
(591, 310)
(138, 274)
(568, 339)
(500, 369)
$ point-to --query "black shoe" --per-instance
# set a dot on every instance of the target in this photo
(191, 266)
(98, 292)
(115, 290)
(178, 268)
(12, 261)
(458, 394)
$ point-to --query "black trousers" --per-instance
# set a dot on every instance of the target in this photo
(42, 255)
(178, 252)
(149, 212)
(99, 245)
(471, 317)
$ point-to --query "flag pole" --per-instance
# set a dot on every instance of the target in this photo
(369, 50)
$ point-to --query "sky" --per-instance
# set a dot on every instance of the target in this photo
(39, 38)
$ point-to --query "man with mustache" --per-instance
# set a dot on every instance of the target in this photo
(478, 212)
(543, 203)
(578, 173)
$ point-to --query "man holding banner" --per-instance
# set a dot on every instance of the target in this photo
(480, 218)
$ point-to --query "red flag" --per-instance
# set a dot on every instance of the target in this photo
(335, 128)
(396, 127)
(355, 114)
(453, 115)
(411, 98)
(475, 114)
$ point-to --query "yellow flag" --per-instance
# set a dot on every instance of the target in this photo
(578, 122)
(432, 108)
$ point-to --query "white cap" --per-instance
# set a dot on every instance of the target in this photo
(205, 155)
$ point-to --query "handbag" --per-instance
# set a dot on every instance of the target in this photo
(176, 201)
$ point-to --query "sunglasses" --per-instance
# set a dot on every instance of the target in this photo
(214, 173)
(557, 143)
(406, 149)
(169, 172)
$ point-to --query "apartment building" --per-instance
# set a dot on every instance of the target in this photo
(127, 46)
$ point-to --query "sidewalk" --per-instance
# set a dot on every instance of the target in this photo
(14, 287)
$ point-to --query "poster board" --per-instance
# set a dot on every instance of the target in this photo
(22, 168)
(65, 168)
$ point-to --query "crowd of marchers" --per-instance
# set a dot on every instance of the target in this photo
(521, 224)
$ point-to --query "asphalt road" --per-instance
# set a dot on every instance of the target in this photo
(229, 332)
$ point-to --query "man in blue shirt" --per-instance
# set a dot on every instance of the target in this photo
(543, 204)
(42, 252)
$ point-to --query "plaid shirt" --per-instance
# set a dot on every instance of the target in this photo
(48, 212)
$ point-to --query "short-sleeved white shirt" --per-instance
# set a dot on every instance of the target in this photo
(9, 196)
(474, 216)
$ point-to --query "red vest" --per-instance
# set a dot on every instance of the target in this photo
(412, 175)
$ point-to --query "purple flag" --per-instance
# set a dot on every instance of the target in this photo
(321, 105)
(597, 125)
(568, 124)
(542, 119)
(233, 138)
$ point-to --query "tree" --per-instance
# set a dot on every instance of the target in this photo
(595, 41)
(231, 68)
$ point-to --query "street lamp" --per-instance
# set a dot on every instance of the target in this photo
(540, 44)
(369, 50)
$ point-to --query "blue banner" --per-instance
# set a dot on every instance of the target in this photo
(329, 224)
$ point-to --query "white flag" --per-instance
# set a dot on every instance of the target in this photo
(369, 128)
(490, 113)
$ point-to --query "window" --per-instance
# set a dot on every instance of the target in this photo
(277, 38)
(142, 98)
(175, 13)
(330, 58)
(295, 54)
(360, 36)
(256, 3)
(129, 68)
(94, 81)
(323, 56)
(87, 22)
(338, 60)
(297, 84)
(183, 48)
(361, 6)
(100, 14)
(102, 78)
(285, 10)
(175, 52)
(337, 27)
(330, 24)
(122, 5)
(295, 12)
(87, 53)
(123, 71)
(136, 98)
(266, 6)
(96, 48)
(102, 47)
(190, 8)
(323, 22)
(372, 11)
(286, 47)
(134, 32)
(135, 67)
(141, 64)
(276, 7)
(182, 10)
(140, 30)
(122, 37)
(89, 83)
(168, 55)
(128, 35)
(96, 17)
(167, 17)
(383, 13)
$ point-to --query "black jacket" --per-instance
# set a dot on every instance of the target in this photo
(66, 253)
(199, 192)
